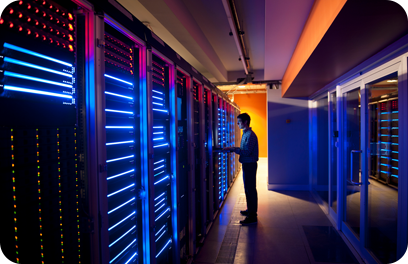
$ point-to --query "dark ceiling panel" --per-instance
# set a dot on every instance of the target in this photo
(362, 29)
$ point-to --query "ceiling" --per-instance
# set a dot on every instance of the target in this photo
(198, 30)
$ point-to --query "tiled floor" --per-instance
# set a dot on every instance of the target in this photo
(280, 236)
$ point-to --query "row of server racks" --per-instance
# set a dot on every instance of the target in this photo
(108, 139)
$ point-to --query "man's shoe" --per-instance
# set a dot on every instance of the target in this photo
(244, 212)
(249, 221)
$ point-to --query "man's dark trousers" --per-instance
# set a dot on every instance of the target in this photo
(249, 175)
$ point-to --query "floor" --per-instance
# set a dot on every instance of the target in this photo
(291, 229)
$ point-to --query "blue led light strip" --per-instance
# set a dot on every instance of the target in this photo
(123, 251)
(29, 52)
(118, 111)
(120, 127)
(117, 143)
(158, 138)
(160, 236)
(131, 258)
(26, 90)
(122, 236)
(393, 175)
(121, 190)
(385, 172)
(157, 92)
(31, 78)
(163, 248)
(158, 98)
(159, 208)
(159, 173)
(113, 210)
(158, 167)
(395, 168)
(394, 159)
(120, 174)
(157, 104)
(117, 79)
(124, 219)
(157, 127)
(119, 95)
(160, 145)
(122, 158)
(30, 65)
(160, 230)
(157, 133)
(157, 162)
(159, 196)
(167, 177)
(167, 210)
(159, 110)
(394, 112)
(160, 202)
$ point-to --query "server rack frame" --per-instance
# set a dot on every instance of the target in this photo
(173, 152)
(209, 176)
(189, 157)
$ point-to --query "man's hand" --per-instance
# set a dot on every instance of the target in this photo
(229, 149)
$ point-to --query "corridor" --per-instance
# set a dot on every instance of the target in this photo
(291, 229)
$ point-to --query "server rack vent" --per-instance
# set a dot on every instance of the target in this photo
(123, 173)
(222, 157)
(162, 162)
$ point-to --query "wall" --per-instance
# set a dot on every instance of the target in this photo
(288, 143)
(255, 106)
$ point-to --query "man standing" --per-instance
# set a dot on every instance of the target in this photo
(248, 156)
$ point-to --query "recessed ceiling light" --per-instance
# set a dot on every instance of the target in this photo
(241, 86)
(391, 81)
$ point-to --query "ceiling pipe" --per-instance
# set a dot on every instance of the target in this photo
(233, 21)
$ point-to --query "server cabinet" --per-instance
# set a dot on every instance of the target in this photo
(222, 156)
(162, 159)
(183, 170)
(215, 145)
(41, 139)
(118, 104)
(208, 157)
(199, 162)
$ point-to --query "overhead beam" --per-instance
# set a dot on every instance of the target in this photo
(321, 17)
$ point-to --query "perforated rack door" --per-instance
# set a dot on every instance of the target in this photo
(122, 146)
(39, 158)
(162, 161)
(183, 164)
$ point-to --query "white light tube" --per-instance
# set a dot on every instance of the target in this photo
(26, 51)
(26, 90)
(121, 190)
(30, 65)
(122, 221)
(119, 95)
(127, 157)
(117, 79)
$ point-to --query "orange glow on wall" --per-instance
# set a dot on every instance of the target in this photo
(255, 106)
(320, 19)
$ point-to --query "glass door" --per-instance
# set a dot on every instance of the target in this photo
(352, 159)
(369, 156)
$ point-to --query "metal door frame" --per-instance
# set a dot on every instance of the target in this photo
(398, 65)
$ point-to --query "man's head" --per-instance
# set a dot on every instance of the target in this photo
(243, 120)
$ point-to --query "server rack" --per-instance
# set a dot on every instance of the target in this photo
(183, 169)
(162, 158)
(120, 209)
(41, 139)
(207, 96)
(96, 142)
(384, 134)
